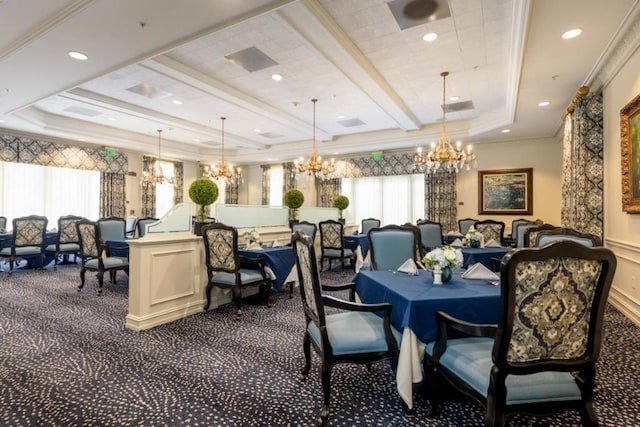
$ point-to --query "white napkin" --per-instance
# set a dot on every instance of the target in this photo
(492, 244)
(409, 267)
(254, 246)
(479, 271)
(276, 244)
(457, 243)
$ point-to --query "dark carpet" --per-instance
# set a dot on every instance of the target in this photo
(66, 359)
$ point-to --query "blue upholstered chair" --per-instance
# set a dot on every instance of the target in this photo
(224, 268)
(112, 228)
(28, 239)
(564, 233)
(332, 243)
(96, 256)
(390, 246)
(307, 228)
(130, 226)
(68, 242)
(3, 223)
(355, 334)
(531, 234)
(430, 234)
(512, 238)
(141, 225)
(541, 356)
(367, 224)
(464, 224)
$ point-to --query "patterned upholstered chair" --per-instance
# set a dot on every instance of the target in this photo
(367, 224)
(96, 256)
(430, 234)
(491, 230)
(68, 242)
(531, 234)
(541, 357)
(355, 334)
(464, 224)
(564, 233)
(141, 225)
(390, 246)
(332, 243)
(224, 268)
(307, 228)
(28, 239)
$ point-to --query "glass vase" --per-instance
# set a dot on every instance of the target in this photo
(446, 275)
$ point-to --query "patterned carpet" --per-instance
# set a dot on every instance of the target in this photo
(67, 360)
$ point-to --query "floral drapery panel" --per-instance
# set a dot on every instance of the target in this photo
(582, 167)
(329, 189)
(440, 199)
(289, 181)
(266, 184)
(178, 175)
(148, 192)
(112, 198)
(231, 191)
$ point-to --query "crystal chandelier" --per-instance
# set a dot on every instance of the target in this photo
(155, 175)
(314, 165)
(443, 155)
(222, 169)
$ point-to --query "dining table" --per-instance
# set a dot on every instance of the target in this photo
(279, 262)
(415, 300)
(483, 255)
(359, 243)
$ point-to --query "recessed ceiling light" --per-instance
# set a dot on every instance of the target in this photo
(335, 153)
(111, 119)
(81, 139)
(543, 103)
(506, 130)
(1, 120)
(454, 98)
(340, 117)
(572, 33)
(430, 37)
(256, 130)
(276, 77)
(196, 140)
(78, 55)
(177, 102)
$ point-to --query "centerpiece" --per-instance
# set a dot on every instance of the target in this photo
(441, 262)
(341, 203)
(251, 236)
(474, 237)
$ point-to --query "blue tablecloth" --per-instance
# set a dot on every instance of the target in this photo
(279, 260)
(415, 299)
(118, 243)
(352, 241)
(482, 255)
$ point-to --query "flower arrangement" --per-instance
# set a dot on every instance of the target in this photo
(445, 257)
(251, 236)
(474, 237)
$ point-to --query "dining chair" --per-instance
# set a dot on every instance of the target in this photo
(367, 224)
(226, 267)
(68, 242)
(96, 255)
(390, 246)
(130, 226)
(464, 224)
(565, 233)
(142, 225)
(3, 223)
(29, 239)
(512, 238)
(531, 234)
(332, 243)
(112, 228)
(351, 333)
(541, 356)
(491, 230)
(307, 228)
(430, 234)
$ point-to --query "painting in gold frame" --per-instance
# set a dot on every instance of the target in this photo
(630, 150)
(505, 192)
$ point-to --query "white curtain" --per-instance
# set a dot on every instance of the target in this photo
(276, 181)
(27, 189)
(164, 192)
(393, 199)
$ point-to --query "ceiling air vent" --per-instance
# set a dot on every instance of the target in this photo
(351, 122)
(146, 90)
(251, 59)
(458, 106)
(83, 111)
(270, 135)
(434, 11)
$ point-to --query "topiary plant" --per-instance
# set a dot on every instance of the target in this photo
(293, 199)
(341, 203)
(203, 192)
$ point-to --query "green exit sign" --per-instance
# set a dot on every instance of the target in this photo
(376, 156)
(110, 152)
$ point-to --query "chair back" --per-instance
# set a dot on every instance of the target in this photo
(89, 238)
(465, 224)
(367, 224)
(430, 234)
(67, 230)
(564, 233)
(390, 246)
(514, 227)
(3, 223)
(130, 227)
(221, 247)
(309, 279)
(29, 231)
(521, 231)
(491, 229)
(331, 234)
(552, 307)
(531, 234)
(142, 224)
(112, 228)
(306, 228)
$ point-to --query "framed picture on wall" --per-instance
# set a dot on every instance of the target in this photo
(630, 150)
(505, 192)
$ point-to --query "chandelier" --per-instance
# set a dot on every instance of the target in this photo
(443, 155)
(314, 165)
(222, 169)
(155, 175)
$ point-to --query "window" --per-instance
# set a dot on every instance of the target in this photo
(276, 182)
(164, 192)
(50, 191)
(393, 199)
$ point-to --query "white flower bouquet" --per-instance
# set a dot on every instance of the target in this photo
(473, 237)
(251, 236)
(445, 257)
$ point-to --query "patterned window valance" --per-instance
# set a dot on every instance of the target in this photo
(391, 164)
(37, 152)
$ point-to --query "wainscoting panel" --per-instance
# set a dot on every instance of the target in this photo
(625, 292)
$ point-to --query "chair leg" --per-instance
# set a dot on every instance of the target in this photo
(238, 298)
(100, 281)
(55, 262)
(208, 292)
(11, 260)
(306, 348)
(325, 374)
(82, 272)
(291, 289)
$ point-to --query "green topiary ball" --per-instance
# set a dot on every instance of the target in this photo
(203, 192)
(293, 199)
(341, 202)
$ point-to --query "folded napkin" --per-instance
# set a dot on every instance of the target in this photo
(457, 243)
(409, 267)
(254, 246)
(479, 271)
(276, 244)
(492, 244)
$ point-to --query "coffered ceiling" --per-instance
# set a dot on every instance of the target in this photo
(180, 66)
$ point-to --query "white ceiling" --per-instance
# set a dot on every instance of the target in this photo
(505, 56)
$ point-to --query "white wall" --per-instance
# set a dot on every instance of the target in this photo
(621, 230)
